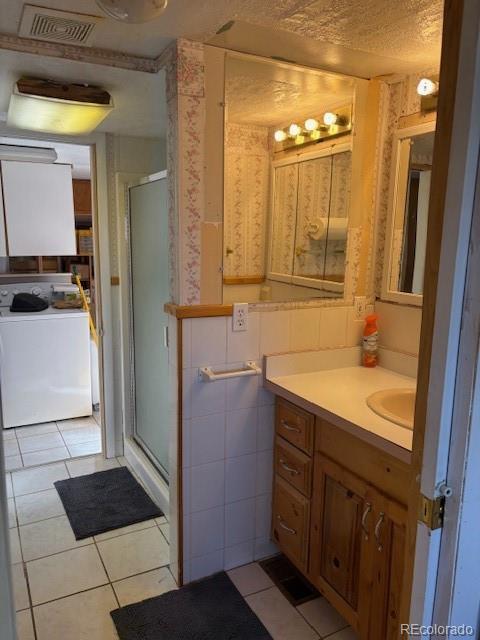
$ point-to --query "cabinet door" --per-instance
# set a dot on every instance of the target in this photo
(341, 509)
(388, 559)
(38, 201)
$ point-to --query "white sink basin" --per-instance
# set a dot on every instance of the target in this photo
(396, 405)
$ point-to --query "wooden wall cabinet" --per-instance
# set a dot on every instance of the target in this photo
(343, 531)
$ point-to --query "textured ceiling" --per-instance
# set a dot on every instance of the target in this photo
(402, 30)
(139, 98)
(272, 94)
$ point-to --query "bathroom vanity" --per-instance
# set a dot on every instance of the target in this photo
(341, 484)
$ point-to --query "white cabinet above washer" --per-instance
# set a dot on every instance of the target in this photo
(38, 209)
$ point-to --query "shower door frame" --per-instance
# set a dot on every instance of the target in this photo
(131, 423)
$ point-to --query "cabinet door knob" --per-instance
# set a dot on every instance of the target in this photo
(289, 427)
(378, 527)
(368, 508)
(285, 527)
(291, 470)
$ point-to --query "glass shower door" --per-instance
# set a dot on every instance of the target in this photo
(149, 293)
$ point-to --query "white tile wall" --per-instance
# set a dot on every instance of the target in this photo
(399, 327)
(228, 431)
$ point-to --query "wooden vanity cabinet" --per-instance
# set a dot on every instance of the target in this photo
(340, 527)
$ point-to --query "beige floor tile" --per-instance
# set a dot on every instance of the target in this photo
(86, 448)
(143, 586)
(11, 448)
(138, 526)
(34, 480)
(76, 423)
(322, 616)
(25, 625)
(280, 618)
(161, 520)
(90, 465)
(8, 481)
(20, 590)
(15, 551)
(84, 434)
(41, 442)
(13, 462)
(250, 578)
(65, 574)
(134, 553)
(165, 529)
(84, 616)
(346, 634)
(44, 457)
(33, 507)
(47, 537)
(9, 434)
(12, 515)
(36, 430)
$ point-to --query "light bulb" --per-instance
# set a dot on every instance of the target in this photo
(280, 135)
(330, 118)
(294, 130)
(427, 87)
(311, 124)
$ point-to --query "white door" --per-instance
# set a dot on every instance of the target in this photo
(447, 561)
(39, 213)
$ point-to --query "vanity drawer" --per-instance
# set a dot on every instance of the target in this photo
(294, 466)
(291, 517)
(295, 425)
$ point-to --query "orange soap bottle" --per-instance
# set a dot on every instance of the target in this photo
(370, 342)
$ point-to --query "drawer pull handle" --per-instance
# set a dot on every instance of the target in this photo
(293, 532)
(289, 427)
(368, 508)
(291, 470)
(378, 526)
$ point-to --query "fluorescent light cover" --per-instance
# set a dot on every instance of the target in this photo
(51, 115)
(27, 154)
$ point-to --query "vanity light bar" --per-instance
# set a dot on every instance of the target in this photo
(314, 129)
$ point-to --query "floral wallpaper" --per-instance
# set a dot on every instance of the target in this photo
(247, 181)
(284, 219)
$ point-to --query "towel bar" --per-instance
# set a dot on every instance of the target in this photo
(249, 369)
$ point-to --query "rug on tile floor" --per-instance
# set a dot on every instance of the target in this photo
(104, 501)
(211, 609)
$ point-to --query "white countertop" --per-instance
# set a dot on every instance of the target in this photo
(339, 395)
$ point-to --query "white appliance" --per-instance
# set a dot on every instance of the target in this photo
(44, 359)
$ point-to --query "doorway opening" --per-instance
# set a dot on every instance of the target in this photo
(50, 386)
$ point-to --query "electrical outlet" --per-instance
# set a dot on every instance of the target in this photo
(240, 316)
(360, 307)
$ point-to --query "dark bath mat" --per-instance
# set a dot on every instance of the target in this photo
(103, 501)
(211, 609)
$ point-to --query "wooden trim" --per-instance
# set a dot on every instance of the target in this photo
(115, 281)
(243, 279)
(199, 310)
(453, 14)
(414, 119)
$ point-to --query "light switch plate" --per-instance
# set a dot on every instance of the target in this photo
(240, 316)
(360, 308)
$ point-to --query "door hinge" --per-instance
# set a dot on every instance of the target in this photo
(432, 511)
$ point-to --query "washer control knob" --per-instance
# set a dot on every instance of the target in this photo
(4, 293)
(36, 291)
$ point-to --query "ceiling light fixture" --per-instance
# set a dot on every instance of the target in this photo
(311, 124)
(294, 130)
(280, 135)
(133, 10)
(51, 107)
(427, 87)
(21, 153)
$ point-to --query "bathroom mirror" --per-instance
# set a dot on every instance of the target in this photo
(287, 175)
(406, 240)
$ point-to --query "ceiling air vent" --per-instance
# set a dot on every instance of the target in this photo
(61, 27)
